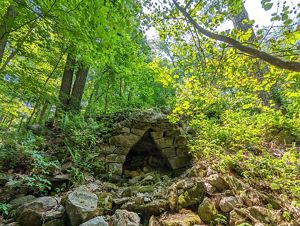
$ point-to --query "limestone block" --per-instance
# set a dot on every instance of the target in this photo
(179, 162)
(124, 140)
(169, 152)
(175, 132)
(115, 158)
(157, 135)
(106, 149)
(139, 132)
(182, 151)
(164, 142)
(125, 130)
(122, 150)
(180, 140)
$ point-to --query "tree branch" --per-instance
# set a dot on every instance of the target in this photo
(289, 65)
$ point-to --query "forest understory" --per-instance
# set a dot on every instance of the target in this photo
(129, 113)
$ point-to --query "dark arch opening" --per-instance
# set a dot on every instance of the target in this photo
(145, 153)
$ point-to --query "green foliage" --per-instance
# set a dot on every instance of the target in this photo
(17, 149)
(4, 209)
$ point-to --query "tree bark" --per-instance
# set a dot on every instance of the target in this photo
(6, 27)
(78, 88)
(66, 83)
(240, 23)
(275, 61)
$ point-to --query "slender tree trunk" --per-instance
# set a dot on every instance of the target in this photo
(240, 23)
(6, 27)
(41, 118)
(106, 95)
(66, 83)
(78, 88)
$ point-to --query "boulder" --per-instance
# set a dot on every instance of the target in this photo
(36, 212)
(81, 206)
(183, 218)
(218, 182)
(207, 211)
(210, 189)
(237, 218)
(29, 217)
(228, 203)
(126, 218)
(262, 214)
(15, 203)
(97, 221)
(55, 222)
(192, 195)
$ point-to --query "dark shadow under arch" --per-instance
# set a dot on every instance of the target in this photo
(146, 153)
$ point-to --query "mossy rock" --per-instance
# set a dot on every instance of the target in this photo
(183, 218)
(105, 200)
(207, 211)
(193, 195)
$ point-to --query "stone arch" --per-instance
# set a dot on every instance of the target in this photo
(169, 139)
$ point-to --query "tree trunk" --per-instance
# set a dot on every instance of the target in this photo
(66, 83)
(78, 88)
(6, 27)
(240, 23)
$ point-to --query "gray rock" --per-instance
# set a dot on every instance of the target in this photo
(228, 203)
(39, 205)
(218, 182)
(210, 189)
(55, 222)
(39, 210)
(11, 224)
(15, 203)
(97, 221)
(207, 211)
(29, 217)
(81, 206)
(262, 214)
(126, 218)
(192, 195)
